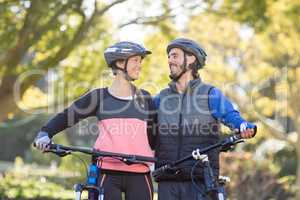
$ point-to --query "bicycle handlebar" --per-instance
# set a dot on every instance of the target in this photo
(224, 144)
(61, 150)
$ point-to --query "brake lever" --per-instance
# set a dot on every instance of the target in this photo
(229, 142)
(129, 161)
(230, 147)
(60, 153)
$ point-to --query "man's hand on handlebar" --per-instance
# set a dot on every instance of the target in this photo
(247, 130)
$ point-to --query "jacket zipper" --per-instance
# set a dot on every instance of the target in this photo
(179, 142)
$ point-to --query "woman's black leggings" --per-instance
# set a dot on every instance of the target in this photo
(134, 186)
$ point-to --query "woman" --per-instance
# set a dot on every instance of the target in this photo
(124, 121)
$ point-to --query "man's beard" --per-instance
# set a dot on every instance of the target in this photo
(176, 76)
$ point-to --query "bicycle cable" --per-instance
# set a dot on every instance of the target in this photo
(83, 162)
(194, 181)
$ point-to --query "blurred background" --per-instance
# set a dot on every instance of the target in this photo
(51, 52)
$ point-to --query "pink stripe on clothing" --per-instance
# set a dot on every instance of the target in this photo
(123, 135)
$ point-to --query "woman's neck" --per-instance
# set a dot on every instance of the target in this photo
(121, 87)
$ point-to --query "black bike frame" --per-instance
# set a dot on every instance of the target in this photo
(61, 151)
(210, 183)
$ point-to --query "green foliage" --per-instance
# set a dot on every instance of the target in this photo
(17, 135)
(252, 180)
(155, 64)
(31, 182)
(252, 12)
(286, 158)
(239, 65)
(8, 15)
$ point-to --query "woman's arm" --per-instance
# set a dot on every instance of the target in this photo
(83, 107)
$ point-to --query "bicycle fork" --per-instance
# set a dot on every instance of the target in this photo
(97, 191)
(217, 188)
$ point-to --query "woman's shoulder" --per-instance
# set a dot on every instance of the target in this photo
(97, 90)
(145, 92)
(95, 93)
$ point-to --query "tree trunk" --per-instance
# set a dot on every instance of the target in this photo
(9, 98)
(8, 105)
(7, 101)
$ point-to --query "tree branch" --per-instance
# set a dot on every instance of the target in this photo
(154, 20)
(277, 130)
(77, 38)
(68, 46)
(32, 15)
(16, 53)
(106, 8)
(8, 2)
(147, 20)
(52, 22)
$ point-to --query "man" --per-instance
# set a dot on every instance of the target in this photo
(189, 116)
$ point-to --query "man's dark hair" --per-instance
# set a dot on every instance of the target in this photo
(193, 66)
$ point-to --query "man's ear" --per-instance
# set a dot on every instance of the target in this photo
(120, 64)
(190, 59)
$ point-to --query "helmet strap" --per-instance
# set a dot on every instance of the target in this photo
(183, 69)
(127, 77)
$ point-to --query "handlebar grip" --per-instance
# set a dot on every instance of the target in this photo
(237, 137)
(237, 133)
(255, 130)
(146, 159)
(160, 170)
(51, 145)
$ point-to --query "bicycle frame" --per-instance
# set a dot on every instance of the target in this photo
(215, 188)
(211, 185)
(95, 191)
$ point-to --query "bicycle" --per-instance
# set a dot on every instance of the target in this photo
(91, 186)
(212, 187)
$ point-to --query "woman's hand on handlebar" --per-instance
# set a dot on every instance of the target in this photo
(42, 141)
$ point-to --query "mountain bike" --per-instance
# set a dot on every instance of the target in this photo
(91, 185)
(213, 188)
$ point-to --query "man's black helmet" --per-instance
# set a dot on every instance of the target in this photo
(122, 51)
(191, 47)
